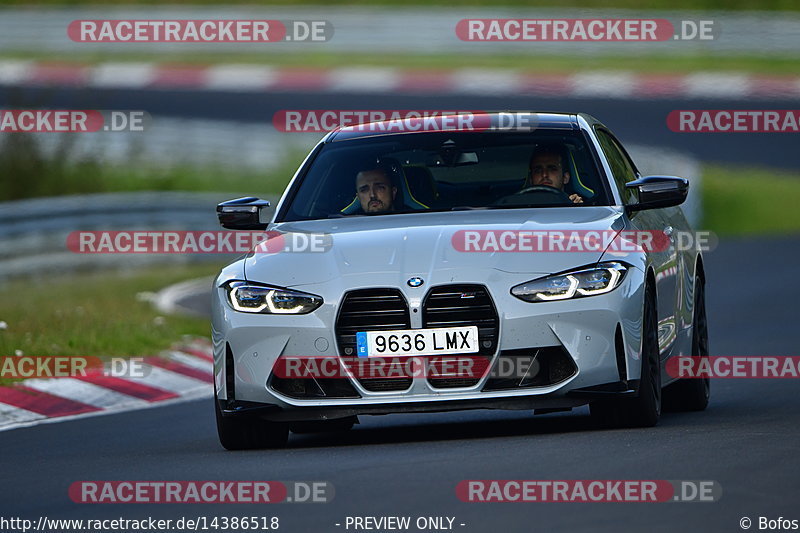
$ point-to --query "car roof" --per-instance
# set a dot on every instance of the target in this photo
(402, 124)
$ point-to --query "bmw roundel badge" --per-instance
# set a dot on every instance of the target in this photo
(416, 281)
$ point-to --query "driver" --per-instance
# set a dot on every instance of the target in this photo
(547, 168)
(375, 191)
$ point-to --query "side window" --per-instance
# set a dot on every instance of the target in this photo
(620, 165)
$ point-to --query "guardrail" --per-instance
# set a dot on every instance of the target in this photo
(33, 233)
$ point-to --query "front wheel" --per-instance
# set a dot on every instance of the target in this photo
(692, 394)
(645, 409)
(247, 433)
(324, 426)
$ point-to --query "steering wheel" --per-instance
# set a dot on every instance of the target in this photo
(544, 188)
(549, 195)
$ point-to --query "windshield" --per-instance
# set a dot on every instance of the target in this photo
(445, 171)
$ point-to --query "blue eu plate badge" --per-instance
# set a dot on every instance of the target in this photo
(361, 344)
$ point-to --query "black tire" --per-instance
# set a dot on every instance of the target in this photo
(324, 426)
(248, 433)
(645, 409)
(692, 394)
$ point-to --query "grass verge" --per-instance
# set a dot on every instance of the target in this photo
(750, 201)
(36, 174)
(96, 314)
(541, 63)
(86, 179)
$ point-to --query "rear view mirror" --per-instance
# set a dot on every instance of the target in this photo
(658, 191)
(467, 158)
(242, 213)
(449, 160)
(450, 155)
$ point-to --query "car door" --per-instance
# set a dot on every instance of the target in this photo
(664, 262)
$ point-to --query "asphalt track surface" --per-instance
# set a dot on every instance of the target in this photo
(409, 465)
(640, 121)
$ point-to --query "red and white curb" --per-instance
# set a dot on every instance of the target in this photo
(258, 78)
(180, 374)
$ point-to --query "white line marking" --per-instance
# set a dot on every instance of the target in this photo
(486, 81)
(12, 416)
(83, 392)
(604, 84)
(110, 401)
(128, 75)
(240, 77)
(191, 361)
(196, 395)
(363, 79)
(716, 85)
(172, 381)
(12, 72)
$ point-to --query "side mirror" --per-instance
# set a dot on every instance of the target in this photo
(242, 213)
(658, 191)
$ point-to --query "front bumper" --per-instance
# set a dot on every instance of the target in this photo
(599, 335)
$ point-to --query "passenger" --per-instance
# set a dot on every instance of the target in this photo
(547, 167)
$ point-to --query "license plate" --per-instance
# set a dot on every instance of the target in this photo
(433, 341)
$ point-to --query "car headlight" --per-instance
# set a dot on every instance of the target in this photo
(249, 297)
(601, 279)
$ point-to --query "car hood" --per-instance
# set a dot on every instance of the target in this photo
(389, 249)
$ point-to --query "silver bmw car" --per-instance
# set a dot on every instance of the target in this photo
(492, 261)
